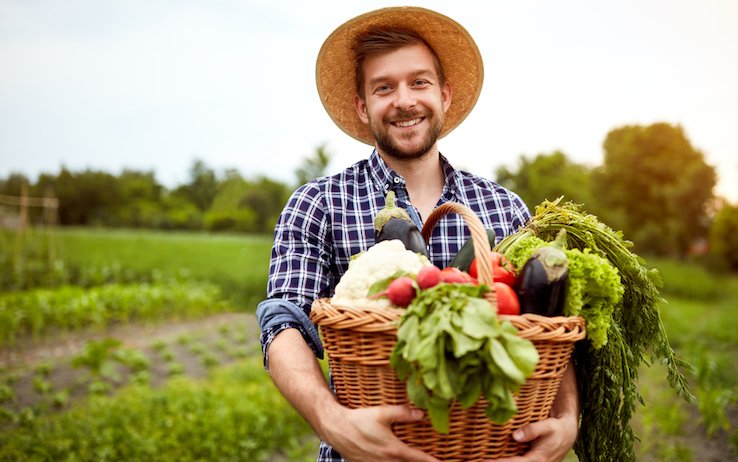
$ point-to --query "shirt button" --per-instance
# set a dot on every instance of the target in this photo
(397, 179)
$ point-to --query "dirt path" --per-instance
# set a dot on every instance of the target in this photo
(55, 346)
(36, 373)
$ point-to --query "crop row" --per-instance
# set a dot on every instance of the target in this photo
(232, 415)
(70, 308)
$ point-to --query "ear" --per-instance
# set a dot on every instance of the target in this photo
(360, 106)
(446, 93)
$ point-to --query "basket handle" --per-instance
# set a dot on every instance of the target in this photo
(482, 249)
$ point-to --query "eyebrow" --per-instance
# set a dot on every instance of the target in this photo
(417, 73)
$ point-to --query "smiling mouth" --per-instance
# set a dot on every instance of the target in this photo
(407, 123)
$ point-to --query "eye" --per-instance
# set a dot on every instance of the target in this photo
(382, 89)
(420, 83)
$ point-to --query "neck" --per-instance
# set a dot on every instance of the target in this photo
(423, 177)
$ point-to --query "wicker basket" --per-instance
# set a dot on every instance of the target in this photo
(359, 343)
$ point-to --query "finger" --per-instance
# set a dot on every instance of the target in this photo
(532, 431)
(399, 413)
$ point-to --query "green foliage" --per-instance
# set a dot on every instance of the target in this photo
(594, 290)
(235, 415)
(689, 280)
(656, 187)
(202, 186)
(724, 236)
(703, 331)
(98, 358)
(313, 167)
(607, 376)
(451, 346)
(135, 199)
(547, 177)
(246, 206)
(72, 308)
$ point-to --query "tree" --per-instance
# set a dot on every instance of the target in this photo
(313, 167)
(13, 185)
(657, 186)
(247, 206)
(548, 176)
(141, 200)
(86, 198)
(202, 188)
(724, 236)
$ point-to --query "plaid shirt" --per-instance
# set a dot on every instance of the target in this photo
(330, 219)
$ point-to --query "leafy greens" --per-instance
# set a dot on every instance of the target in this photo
(452, 347)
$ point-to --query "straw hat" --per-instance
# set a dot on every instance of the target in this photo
(335, 69)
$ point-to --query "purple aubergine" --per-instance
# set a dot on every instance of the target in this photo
(393, 222)
(544, 280)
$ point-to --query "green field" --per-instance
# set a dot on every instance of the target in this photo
(237, 263)
(699, 313)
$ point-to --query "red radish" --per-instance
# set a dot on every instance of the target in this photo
(428, 276)
(401, 291)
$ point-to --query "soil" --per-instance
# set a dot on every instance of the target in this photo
(43, 376)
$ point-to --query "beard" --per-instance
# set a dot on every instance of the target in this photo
(389, 145)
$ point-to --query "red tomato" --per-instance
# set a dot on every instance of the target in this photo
(454, 275)
(502, 270)
(507, 299)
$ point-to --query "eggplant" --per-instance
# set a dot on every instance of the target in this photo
(544, 279)
(393, 222)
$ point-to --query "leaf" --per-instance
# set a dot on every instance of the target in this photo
(381, 285)
(439, 414)
(472, 391)
(503, 360)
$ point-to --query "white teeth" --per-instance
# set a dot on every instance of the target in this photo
(408, 123)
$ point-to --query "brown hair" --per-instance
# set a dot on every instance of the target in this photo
(383, 40)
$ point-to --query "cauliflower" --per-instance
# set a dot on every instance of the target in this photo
(380, 262)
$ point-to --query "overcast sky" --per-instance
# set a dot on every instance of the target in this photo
(154, 84)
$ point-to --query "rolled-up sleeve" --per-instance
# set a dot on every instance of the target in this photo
(299, 269)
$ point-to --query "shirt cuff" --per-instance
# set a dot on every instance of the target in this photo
(275, 316)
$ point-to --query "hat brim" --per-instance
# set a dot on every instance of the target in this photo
(335, 70)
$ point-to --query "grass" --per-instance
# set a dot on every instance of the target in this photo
(238, 263)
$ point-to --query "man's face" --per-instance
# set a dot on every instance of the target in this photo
(404, 102)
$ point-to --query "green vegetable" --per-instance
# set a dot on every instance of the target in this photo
(452, 347)
(594, 288)
(607, 368)
(464, 257)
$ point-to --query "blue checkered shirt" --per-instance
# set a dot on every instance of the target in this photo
(330, 219)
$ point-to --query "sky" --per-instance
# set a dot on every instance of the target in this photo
(153, 85)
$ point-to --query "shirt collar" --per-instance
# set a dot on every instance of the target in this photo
(385, 178)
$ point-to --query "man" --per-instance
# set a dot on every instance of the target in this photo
(397, 79)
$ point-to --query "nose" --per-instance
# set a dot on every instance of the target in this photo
(404, 98)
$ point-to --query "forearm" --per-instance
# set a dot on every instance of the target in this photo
(566, 404)
(298, 376)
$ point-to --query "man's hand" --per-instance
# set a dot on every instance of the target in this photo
(357, 434)
(365, 434)
(552, 439)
